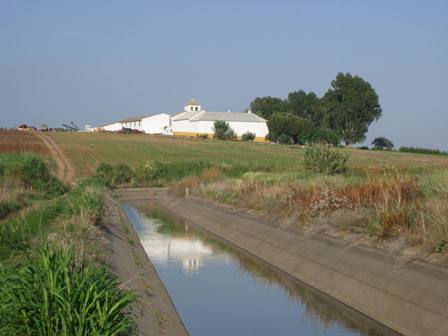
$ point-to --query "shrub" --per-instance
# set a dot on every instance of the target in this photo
(284, 139)
(223, 131)
(326, 159)
(324, 135)
(31, 171)
(248, 136)
(9, 207)
(122, 174)
(105, 172)
(112, 176)
(53, 294)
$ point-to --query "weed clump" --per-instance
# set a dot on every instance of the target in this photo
(114, 175)
(322, 158)
(53, 293)
(31, 172)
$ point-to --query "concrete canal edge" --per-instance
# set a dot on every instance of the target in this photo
(411, 298)
(155, 313)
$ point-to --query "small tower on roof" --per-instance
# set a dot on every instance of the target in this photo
(192, 106)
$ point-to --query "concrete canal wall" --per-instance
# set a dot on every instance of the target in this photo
(410, 298)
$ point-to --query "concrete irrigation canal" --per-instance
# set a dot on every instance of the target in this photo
(230, 273)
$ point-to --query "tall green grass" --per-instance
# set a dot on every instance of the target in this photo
(17, 232)
(52, 293)
(30, 171)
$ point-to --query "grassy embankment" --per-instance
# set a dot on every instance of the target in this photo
(52, 281)
(386, 196)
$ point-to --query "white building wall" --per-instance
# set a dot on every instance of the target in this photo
(112, 127)
(181, 126)
(156, 124)
(259, 128)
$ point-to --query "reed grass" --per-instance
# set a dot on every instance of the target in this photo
(51, 293)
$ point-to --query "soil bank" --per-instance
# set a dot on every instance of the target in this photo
(410, 298)
(155, 312)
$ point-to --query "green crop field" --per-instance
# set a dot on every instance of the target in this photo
(87, 150)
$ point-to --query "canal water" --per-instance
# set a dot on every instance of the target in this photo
(219, 290)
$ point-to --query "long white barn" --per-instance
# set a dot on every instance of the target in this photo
(193, 121)
(155, 124)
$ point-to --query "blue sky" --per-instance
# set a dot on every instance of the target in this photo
(96, 61)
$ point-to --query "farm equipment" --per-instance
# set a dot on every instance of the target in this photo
(71, 127)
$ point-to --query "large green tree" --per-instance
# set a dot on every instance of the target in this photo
(299, 129)
(305, 105)
(350, 106)
(265, 107)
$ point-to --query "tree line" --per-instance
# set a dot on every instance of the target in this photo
(344, 113)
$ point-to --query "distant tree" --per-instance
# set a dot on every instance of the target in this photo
(305, 105)
(351, 105)
(382, 142)
(298, 129)
(223, 131)
(265, 107)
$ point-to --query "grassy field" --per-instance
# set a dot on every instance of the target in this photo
(87, 150)
(386, 196)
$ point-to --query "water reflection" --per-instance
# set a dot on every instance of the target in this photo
(218, 290)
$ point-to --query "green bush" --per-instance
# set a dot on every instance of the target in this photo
(325, 135)
(122, 174)
(31, 171)
(322, 158)
(105, 172)
(112, 176)
(285, 139)
(51, 294)
(248, 136)
(9, 207)
(223, 131)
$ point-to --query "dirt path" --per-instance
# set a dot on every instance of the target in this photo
(65, 170)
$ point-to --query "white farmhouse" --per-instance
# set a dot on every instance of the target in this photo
(195, 121)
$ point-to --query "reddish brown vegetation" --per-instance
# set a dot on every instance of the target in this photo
(22, 142)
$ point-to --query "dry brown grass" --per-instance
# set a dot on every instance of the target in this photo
(211, 175)
(185, 186)
(393, 205)
(22, 142)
